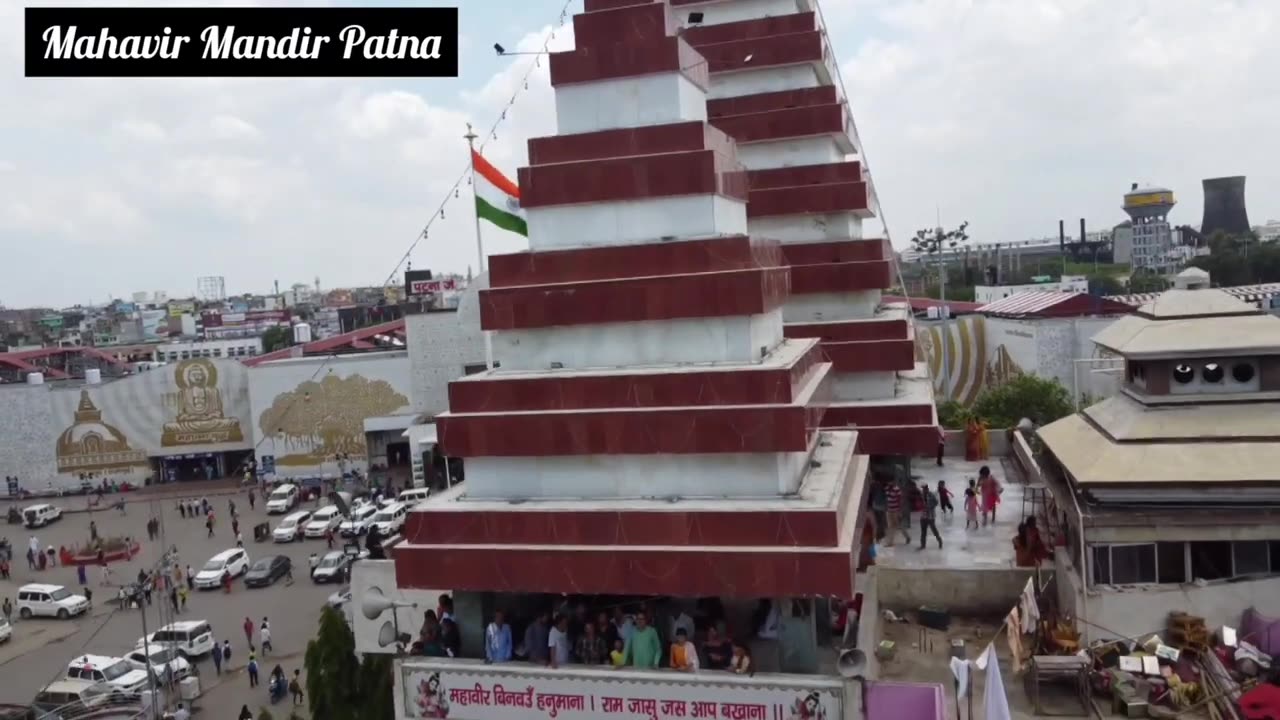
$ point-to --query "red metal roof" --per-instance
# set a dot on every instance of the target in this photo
(22, 360)
(354, 340)
(1044, 304)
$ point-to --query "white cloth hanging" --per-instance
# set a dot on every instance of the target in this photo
(995, 703)
(1028, 609)
(960, 668)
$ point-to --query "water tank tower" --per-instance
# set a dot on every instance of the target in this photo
(1148, 209)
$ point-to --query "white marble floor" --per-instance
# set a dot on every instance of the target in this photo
(984, 548)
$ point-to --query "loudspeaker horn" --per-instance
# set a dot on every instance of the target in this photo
(852, 663)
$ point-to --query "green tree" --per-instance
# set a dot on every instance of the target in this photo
(1105, 285)
(377, 688)
(952, 415)
(333, 670)
(1146, 282)
(276, 338)
(1024, 396)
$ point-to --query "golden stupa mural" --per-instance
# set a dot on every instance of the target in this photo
(92, 445)
(200, 419)
(319, 419)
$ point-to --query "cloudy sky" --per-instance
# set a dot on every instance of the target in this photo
(1010, 114)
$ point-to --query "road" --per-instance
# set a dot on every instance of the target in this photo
(41, 649)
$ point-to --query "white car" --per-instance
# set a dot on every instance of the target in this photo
(283, 499)
(390, 519)
(168, 664)
(235, 562)
(358, 523)
(290, 528)
(39, 599)
(6, 630)
(191, 638)
(323, 520)
(118, 672)
(35, 516)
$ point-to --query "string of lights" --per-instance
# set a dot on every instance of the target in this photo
(862, 154)
(464, 176)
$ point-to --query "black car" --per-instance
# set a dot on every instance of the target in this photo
(267, 570)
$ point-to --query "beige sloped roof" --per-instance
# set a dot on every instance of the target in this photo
(1195, 303)
(1094, 459)
(1127, 420)
(1135, 336)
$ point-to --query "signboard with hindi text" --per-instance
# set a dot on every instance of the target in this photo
(471, 690)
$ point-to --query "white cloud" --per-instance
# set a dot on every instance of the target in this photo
(1009, 114)
(1016, 114)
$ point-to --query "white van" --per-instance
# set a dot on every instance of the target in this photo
(118, 672)
(283, 499)
(35, 516)
(358, 523)
(322, 521)
(390, 519)
(61, 694)
(191, 638)
(38, 599)
(290, 528)
(413, 496)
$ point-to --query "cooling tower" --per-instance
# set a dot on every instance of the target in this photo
(1224, 206)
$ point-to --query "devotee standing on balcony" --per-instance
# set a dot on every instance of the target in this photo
(684, 656)
(558, 643)
(497, 639)
(644, 649)
(535, 639)
(590, 648)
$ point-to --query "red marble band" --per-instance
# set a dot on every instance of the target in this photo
(800, 175)
(625, 142)
(785, 123)
(749, 385)
(841, 277)
(867, 330)
(618, 61)
(871, 356)
(909, 440)
(815, 199)
(721, 294)
(837, 251)
(630, 23)
(730, 528)
(692, 572)
(735, 252)
(701, 172)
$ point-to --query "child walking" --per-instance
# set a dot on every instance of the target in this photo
(944, 498)
(970, 507)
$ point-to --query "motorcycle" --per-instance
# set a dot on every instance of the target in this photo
(277, 687)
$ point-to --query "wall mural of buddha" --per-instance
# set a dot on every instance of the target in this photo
(199, 419)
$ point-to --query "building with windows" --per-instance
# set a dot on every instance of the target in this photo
(1167, 494)
(237, 348)
(1150, 235)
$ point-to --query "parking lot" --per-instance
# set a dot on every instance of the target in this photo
(41, 648)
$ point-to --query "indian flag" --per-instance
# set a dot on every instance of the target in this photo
(497, 198)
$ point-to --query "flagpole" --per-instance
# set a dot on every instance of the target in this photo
(471, 158)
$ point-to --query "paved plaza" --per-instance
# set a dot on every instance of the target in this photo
(40, 649)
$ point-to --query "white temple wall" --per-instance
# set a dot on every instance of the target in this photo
(656, 342)
(631, 222)
(831, 307)
(628, 102)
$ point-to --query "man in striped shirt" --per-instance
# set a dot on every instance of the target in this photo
(897, 511)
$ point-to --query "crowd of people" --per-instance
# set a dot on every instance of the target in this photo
(893, 501)
(621, 635)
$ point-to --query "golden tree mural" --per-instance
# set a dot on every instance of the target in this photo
(317, 420)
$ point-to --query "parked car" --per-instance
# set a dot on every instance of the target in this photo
(390, 519)
(413, 496)
(38, 599)
(6, 630)
(267, 570)
(191, 638)
(234, 561)
(358, 523)
(331, 568)
(290, 528)
(118, 672)
(34, 516)
(167, 663)
(322, 521)
(283, 499)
